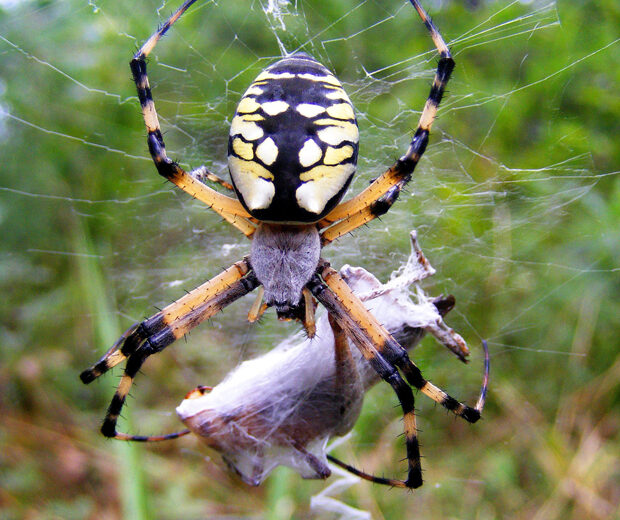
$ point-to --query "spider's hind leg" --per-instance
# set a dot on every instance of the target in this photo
(414, 377)
(117, 353)
(360, 320)
(367, 341)
(138, 333)
(162, 339)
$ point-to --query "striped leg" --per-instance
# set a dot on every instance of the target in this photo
(360, 321)
(308, 319)
(228, 208)
(157, 341)
(347, 377)
(135, 335)
(364, 340)
(385, 355)
(378, 198)
(154, 335)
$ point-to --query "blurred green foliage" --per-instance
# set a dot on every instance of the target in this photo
(517, 203)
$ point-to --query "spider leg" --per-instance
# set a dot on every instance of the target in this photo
(364, 475)
(378, 198)
(385, 355)
(308, 319)
(360, 324)
(156, 333)
(229, 208)
(367, 345)
(258, 307)
(135, 335)
(151, 438)
(159, 341)
(202, 174)
(348, 381)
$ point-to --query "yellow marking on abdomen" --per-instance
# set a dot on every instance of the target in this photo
(322, 173)
(336, 134)
(273, 108)
(337, 93)
(247, 105)
(266, 75)
(337, 155)
(243, 149)
(253, 182)
(252, 117)
(321, 183)
(249, 130)
(341, 111)
(254, 90)
(309, 110)
(329, 79)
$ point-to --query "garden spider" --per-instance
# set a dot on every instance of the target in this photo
(292, 153)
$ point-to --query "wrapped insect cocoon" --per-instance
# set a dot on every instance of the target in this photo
(283, 407)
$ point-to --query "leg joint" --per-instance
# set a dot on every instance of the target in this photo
(382, 205)
(444, 69)
(138, 68)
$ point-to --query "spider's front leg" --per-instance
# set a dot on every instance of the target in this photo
(379, 197)
(228, 208)
(164, 328)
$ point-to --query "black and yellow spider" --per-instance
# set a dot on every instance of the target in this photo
(292, 153)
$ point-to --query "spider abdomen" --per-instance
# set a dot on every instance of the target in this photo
(293, 142)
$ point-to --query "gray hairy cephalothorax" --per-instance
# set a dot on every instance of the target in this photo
(284, 258)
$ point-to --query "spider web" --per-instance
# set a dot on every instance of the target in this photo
(196, 89)
(474, 205)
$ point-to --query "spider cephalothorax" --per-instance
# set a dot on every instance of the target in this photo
(284, 258)
(292, 153)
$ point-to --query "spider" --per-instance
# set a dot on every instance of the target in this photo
(292, 153)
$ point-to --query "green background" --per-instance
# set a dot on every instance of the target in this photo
(516, 203)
